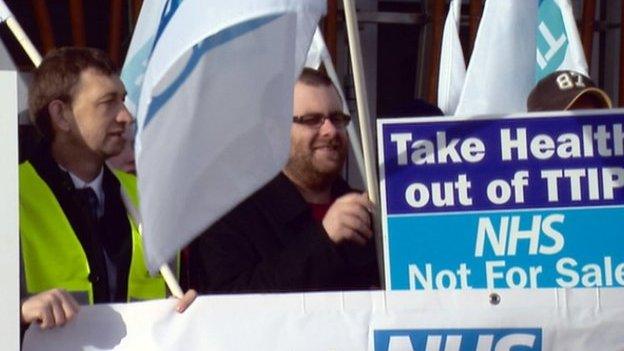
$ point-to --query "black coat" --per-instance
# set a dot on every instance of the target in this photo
(271, 243)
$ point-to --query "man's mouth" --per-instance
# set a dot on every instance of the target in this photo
(330, 145)
(326, 147)
(327, 152)
(117, 134)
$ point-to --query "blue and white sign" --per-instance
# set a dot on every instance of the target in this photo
(533, 201)
(458, 339)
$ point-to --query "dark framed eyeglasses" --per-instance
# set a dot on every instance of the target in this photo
(316, 120)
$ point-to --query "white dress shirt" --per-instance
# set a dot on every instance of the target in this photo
(95, 184)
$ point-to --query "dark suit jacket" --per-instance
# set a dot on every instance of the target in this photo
(271, 243)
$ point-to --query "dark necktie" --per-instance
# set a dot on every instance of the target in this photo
(91, 201)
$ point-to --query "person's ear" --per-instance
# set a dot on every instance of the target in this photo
(58, 115)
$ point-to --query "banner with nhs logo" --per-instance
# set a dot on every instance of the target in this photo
(534, 201)
(439, 320)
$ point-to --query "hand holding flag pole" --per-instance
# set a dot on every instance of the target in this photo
(18, 32)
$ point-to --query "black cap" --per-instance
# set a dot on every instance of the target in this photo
(561, 89)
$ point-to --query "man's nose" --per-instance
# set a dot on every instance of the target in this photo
(328, 127)
(124, 116)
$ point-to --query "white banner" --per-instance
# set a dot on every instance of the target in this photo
(584, 319)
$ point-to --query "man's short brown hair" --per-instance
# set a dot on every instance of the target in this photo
(56, 78)
(315, 78)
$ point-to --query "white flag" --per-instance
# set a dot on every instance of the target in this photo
(140, 50)
(501, 72)
(558, 43)
(6, 62)
(214, 111)
(452, 64)
(4, 11)
(318, 53)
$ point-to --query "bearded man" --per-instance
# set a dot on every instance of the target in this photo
(305, 230)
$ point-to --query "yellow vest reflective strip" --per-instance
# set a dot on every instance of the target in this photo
(45, 232)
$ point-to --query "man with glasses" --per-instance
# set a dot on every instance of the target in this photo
(306, 230)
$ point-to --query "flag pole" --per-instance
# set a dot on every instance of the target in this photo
(19, 34)
(363, 113)
(171, 281)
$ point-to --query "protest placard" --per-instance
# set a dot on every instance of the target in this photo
(526, 201)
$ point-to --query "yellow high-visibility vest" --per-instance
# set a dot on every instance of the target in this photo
(52, 255)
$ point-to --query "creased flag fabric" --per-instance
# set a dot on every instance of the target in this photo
(318, 53)
(501, 72)
(452, 64)
(4, 11)
(558, 42)
(215, 111)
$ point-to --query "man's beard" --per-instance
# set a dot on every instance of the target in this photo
(313, 176)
